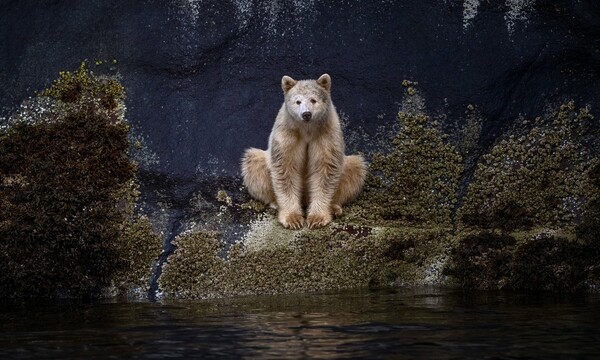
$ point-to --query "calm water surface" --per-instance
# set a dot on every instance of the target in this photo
(396, 324)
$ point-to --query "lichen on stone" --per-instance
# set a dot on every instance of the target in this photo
(469, 11)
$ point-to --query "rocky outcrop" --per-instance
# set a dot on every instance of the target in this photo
(495, 148)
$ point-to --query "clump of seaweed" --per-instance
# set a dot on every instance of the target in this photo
(467, 138)
(67, 189)
(541, 177)
(139, 246)
(588, 230)
(195, 268)
(59, 217)
(534, 178)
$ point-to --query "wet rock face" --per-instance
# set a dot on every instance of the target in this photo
(203, 76)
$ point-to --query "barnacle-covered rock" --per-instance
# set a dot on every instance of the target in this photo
(67, 194)
(537, 175)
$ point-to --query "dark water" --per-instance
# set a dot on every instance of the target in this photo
(424, 323)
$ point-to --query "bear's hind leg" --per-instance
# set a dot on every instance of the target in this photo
(257, 177)
(351, 182)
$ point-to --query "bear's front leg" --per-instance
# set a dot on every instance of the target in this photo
(325, 168)
(287, 164)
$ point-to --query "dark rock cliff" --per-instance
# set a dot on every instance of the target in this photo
(203, 76)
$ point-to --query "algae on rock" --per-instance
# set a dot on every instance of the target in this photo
(537, 261)
(73, 87)
(397, 232)
(68, 225)
(417, 182)
(66, 192)
(533, 178)
(337, 257)
(539, 189)
(139, 246)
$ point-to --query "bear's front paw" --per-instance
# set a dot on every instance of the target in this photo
(292, 221)
(315, 221)
(336, 210)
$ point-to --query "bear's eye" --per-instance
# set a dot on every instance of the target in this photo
(298, 102)
(313, 101)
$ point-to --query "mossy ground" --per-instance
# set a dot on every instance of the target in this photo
(67, 189)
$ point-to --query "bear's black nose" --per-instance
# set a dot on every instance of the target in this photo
(306, 115)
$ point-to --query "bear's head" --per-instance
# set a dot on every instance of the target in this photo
(307, 101)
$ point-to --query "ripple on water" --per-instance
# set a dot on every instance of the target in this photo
(429, 323)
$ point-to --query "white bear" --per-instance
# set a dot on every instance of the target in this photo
(305, 165)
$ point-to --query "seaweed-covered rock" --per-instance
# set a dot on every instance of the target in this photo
(272, 260)
(541, 184)
(401, 230)
(541, 261)
(138, 245)
(536, 176)
(417, 181)
(202, 81)
(588, 230)
(66, 192)
(549, 262)
(81, 85)
(68, 223)
(481, 260)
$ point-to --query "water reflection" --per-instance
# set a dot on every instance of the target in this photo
(427, 323)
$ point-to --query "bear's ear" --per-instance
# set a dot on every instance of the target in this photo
(325, 82)
(287, 83)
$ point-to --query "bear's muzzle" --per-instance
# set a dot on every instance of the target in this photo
(306, 115)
